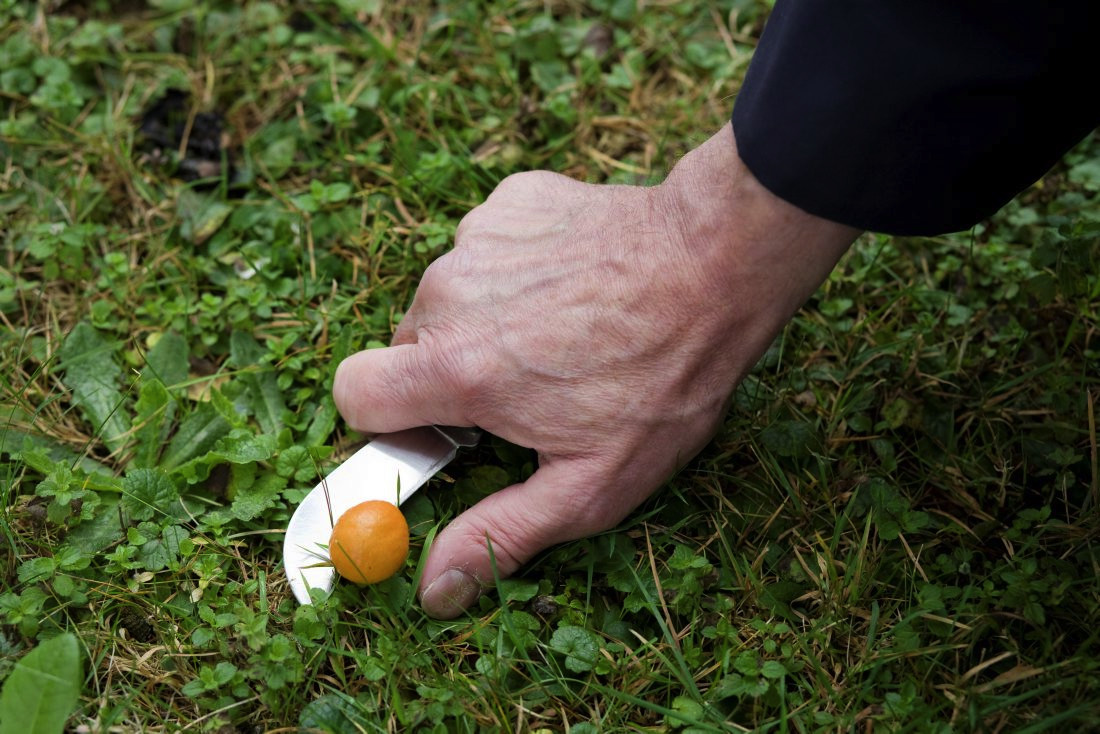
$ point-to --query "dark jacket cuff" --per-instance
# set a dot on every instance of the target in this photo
(914, 117)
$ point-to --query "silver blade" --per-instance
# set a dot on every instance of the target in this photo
(406, 459)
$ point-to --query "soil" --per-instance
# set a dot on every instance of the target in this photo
(168, 121)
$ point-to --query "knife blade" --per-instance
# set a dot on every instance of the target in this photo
(391, 468)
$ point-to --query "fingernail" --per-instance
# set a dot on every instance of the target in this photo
(450, 594)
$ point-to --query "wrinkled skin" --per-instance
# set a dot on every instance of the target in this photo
(605, 327)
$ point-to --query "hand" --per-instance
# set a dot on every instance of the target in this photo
(604, 327)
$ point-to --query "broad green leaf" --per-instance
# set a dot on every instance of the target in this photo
(92, 536)
(239, 447)
(420, 513)
(267, 405)
(308, 624)
(685, 558)
(243, 447)
(24, 609)
(521, 628)
(1087, 174)
(201, 636)
(728, 685)
(43, 689)
(193, 688)
(579, 646)
(752, 687)
(896, 412)
(687, 710)
(321, 425)
(162, 552)
(65, 487)
(518, 589)
(480, 482)
(225, 619)
(777, 597)
(148, 492)
(490, 666)
(278, 156)
(92, 373)
(36, 569)
(747, 663)
(263, 494)
(62, 485)
(63, 585)
(773, 669)
(57, 482)
(296, 463)
(789, 437)
(152, 409)
(640, 588)
(332, 713)
(584, 727)
(223, 673)
(70, 558)
(914, 520)
(551, 74)
(154, 556)
(197, 434)
(241, 477)
(280, 664)
(622, 11)
(372, 669)
(337, 192)
(140, 534)
(265, 399)
(167, 360)
(201, 216)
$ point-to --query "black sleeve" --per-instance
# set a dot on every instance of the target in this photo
(916, 116)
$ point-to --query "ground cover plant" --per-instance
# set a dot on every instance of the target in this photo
(203, 207)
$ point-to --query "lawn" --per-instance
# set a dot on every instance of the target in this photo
(205, 206)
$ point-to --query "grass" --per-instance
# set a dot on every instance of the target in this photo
(895, 530)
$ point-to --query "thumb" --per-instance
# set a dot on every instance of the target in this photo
(553, 506)
(393, 388)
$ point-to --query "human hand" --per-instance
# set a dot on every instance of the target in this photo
(603, 326)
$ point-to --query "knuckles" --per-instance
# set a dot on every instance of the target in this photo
(450, 280)
(535, 183)
(469, 225)
(437, 282)
(527, 189)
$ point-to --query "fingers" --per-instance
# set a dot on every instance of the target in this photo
(383, 390)
(560, 502)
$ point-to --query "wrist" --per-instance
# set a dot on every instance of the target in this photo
(755, 248)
